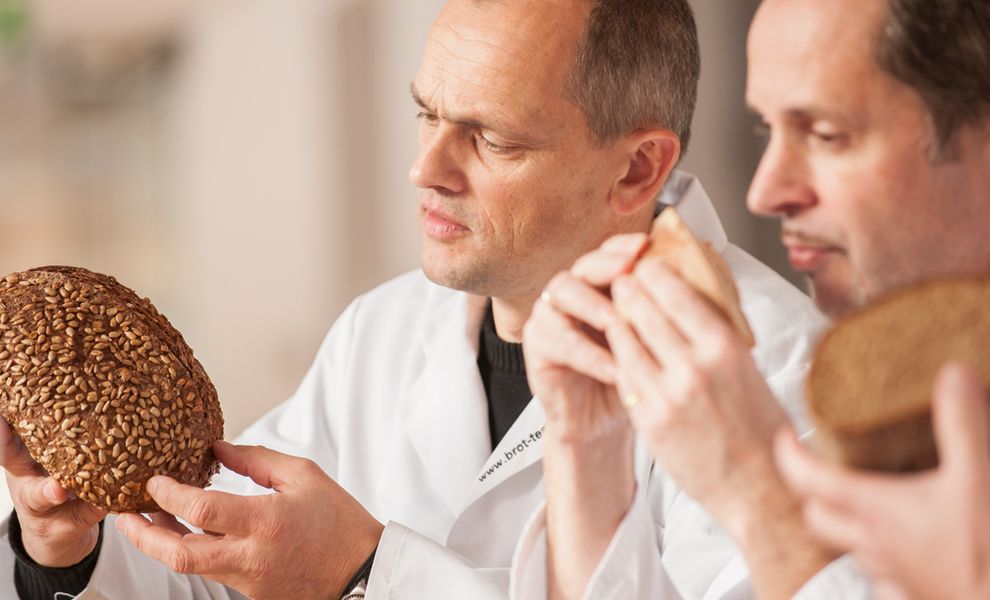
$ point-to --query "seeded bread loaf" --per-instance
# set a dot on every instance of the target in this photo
(101, 389)
(699, 265)
(870, 386)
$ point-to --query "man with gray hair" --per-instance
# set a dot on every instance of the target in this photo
(546, 127)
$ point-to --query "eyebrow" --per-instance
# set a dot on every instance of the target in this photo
(512, 135)
(802, 114)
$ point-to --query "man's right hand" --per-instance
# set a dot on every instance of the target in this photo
(568, 363)
(588, 441)
(57, 529)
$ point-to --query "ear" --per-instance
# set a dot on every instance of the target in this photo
(650, 157)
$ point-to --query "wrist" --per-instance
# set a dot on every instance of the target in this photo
(780, 550)
(590, 487)
(357, 562)
(593, 477)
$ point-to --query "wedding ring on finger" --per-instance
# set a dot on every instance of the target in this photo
(631, 400)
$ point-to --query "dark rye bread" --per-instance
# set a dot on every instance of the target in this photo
(870, 386)
(699, 265)
(101, 389)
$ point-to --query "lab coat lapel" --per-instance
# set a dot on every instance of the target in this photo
(684, 191)
(521, 447)
(446, 414)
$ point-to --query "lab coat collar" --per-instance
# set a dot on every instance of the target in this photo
(446, 413)
(520, 447)
(684, 191)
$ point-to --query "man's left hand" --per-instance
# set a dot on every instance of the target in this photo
(694, 390)
(926, 534)
(306, 540)
(709, 417)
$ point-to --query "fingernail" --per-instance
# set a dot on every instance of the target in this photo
(152, 485)
(49, 491)
(954, 379)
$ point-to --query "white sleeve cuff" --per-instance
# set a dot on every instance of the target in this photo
(408, 564)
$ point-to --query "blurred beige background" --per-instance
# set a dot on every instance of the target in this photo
(243, 163)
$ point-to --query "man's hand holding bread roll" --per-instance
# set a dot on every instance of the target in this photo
(653, 325)
(694, 392)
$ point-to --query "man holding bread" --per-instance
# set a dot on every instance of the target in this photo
(878, 164)
(867, 218)
(545, 128)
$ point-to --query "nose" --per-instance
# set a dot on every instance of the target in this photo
(781, 186)
(436, 166)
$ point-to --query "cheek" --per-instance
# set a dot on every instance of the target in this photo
(530, 203)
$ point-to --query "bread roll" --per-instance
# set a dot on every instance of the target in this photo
(101, 389)
(870, 386)
(699, 265)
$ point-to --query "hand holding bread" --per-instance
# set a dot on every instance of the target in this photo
(99, 393)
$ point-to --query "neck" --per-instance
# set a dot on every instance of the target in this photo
(510, 316)
(511, 313)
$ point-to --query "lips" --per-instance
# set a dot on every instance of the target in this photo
(807, 254)
(439, 225)
(807, 259)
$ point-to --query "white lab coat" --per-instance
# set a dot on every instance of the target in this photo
(394, 409)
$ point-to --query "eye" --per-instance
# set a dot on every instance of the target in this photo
(492, 146)
(828, 138)
(427, 117)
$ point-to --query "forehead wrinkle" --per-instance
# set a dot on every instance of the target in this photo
(494, 70)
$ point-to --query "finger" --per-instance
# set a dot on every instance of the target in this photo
(662, 337)
(827, 484)
(556, 340)
(14, 457)
(835, 528)
(265, 467)
(167, 521)
(39, 495)
(626, 243)
(579, 300)
(206, 509)
(639, 372)
(960, 418)
(85, 513)
(695, 315)
(189, 553)
(617, 256)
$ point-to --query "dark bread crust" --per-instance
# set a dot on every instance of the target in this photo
(101, 388)
(870, 385)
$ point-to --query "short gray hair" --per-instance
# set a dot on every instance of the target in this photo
(637, 67)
